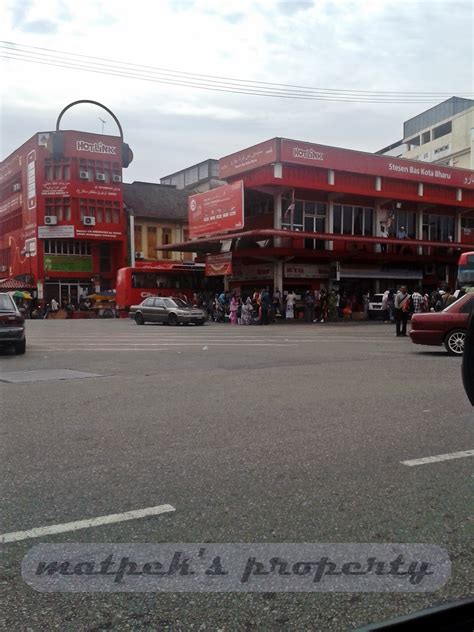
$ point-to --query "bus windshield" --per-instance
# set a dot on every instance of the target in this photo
(466, 270)
(157, 280)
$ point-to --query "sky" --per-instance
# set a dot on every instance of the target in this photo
(375, 45)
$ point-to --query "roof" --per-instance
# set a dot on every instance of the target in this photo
(13, 284)
(436, 114)
(160, 201)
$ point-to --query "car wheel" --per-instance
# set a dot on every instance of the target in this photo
(139, 319)
(172, 320)
(20, 347)
(454, 342)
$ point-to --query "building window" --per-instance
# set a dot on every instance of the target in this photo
(104, 258)
(467, 223)
(442, 130)
(151, 242)
(353, 220)
(59, 208)
(414, 142)
(57, 170)
(165, 240)
(426, 137)
(103, 210)
(438, 227)
(66, 247)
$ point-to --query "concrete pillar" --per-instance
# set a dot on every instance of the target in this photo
(419, 228)
(278, 276)
(132, 239)
(330, 223)
(277, 210)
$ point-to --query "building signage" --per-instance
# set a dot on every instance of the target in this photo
(31, 179)
(371, 164)
(251, 158)
(55, 232)
(66, 263)
(97, 190)
(219, 265)
(262, 272)
(93, 233)
(305, 271)
(96, 148)
(216, 211)
(93, 146)
(56, 188)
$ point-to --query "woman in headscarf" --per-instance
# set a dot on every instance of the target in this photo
(234, 306)
(247, 311)
(290, 305)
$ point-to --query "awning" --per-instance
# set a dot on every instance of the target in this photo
(7, 285)
(352, 272)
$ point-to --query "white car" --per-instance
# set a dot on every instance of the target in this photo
(375, 306)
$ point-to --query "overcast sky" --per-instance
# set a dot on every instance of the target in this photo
(381, 45)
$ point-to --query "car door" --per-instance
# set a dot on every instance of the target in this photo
(462, 317)
(160, 310)
(146, 309)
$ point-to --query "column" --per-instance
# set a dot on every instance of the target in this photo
(278, 275)
(419, 228)
(277, 264)
(330, 223)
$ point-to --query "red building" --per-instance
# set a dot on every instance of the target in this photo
(62, 221)
(316, 215)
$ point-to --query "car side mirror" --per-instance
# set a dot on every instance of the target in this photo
(468, 360)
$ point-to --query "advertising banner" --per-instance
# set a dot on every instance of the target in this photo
(66, 263)
(55, 232)
(260, 272)
(305, 271)
(216, 211)
(312, 155)
(251, 158)
(219, 265)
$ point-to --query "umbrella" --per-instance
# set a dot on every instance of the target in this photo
(24, 295)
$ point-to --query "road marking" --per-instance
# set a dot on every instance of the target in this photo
(16, 536)
(438, 458)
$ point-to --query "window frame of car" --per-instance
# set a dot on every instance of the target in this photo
(148, 302)
(159, 302)
(467, 307)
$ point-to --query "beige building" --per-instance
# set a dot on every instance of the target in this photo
(159, 216)
(444, 135)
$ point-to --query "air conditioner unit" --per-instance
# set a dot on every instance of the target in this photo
(100, 176)
(139, 255)
(88, 221)
(16, 187)
(3, 268)
(84, 175)
(50, 220)
(116, 178)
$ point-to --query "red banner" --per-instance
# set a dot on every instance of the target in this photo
(251, 158)
(312, 155)
(216, 211)
(219, 265)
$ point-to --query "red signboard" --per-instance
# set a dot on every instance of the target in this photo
(251, 158)
(216, 211)
(219, 265)
(312, 155)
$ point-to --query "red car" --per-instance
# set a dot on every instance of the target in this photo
(447, 327)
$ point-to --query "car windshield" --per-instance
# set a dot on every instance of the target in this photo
(175, 302)
(6, 303)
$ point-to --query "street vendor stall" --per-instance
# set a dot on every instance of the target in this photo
(103, 304)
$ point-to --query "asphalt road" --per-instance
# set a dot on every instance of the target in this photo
(287, 433)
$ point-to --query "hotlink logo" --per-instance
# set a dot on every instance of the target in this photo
(97, 148)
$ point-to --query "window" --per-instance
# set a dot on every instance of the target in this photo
(58, 207)
(148, 302)
(442, 130)
(67, 247)
(104, 258)
(407, 219)
(57, 170)
(297, 219)
(438, 227)
(159, 302)
(426, 137)
(467, 223)
(353, 220)
(467, 307)
(415, 141)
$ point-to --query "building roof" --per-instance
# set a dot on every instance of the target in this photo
(159, 201)
(13, 284)
(436, 114)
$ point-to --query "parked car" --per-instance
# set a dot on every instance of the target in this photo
(447, 327)
(168, 310)
(375, 306)
(468, 361)
(12, 325)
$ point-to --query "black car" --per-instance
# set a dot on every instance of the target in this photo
(12, 325)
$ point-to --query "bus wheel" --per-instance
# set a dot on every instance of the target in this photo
(139, 319)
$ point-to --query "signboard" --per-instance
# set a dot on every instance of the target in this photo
(31, 179)
(312, 155)
(263, 154)
(55, 232)
(305, 271)
(93, 146)
(83, 189)
(66, 263)
(216, 211)
(260, 272)
(97, 233)
(219, 265)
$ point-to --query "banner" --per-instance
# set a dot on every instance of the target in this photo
(250, 158)
(305, 271)
(219, 265)
(216, 211)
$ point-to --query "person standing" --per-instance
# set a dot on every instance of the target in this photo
(290, 305)
(233, 310)
(417, 301)
(54, 306)
(264, 307)
(309, 306)
(247, 311)
(402, 311)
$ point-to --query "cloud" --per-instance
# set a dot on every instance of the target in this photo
(42, 27)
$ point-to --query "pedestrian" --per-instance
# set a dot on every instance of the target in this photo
(384, 234)
(264, 307)
(385, 306)
(309, 306)
(233, 308)
(324, 305)
(402, 311)
(54, 306)
(332, 306)
(290, 305)
(247, 311)
(417, 301)
(317, 306)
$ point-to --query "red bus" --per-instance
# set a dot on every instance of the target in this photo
(466, 271)
(160, 279)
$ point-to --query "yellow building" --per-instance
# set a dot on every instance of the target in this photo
(160, 217)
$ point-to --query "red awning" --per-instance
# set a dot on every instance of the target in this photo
(6, 285)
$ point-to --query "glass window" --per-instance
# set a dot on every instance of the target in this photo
(426, 137)
(442, 130)
(320, 208)
(298, 215)
(337, 218)
(159, 302)
(368, 221)
(115, 216)
(358, 220)
(467, 307)
(108, 215)
(347, 220)
(309, 208)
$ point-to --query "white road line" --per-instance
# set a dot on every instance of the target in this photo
(438, 458)
(15, 536)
